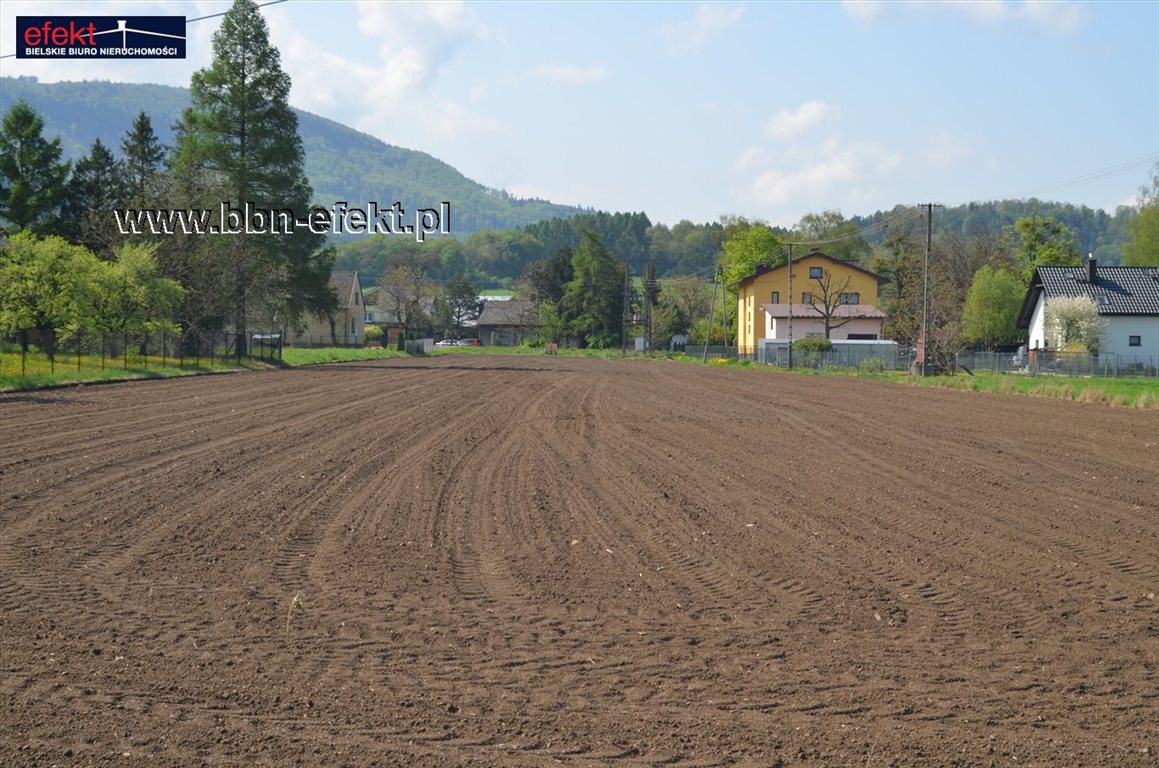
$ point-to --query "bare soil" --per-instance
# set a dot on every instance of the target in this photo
(538, 561)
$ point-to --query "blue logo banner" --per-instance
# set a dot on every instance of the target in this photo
(100, 37)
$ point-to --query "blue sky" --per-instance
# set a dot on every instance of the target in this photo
(693, 110)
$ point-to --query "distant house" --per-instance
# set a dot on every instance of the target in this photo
(1127, 297)
(379, 313)
(507, 323)
(821, 285)
(345, 328)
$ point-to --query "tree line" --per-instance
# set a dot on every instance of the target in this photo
(603, 278)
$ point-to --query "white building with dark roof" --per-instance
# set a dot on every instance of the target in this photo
(1127, 297)
(346, 327)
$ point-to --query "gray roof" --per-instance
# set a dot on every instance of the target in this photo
(343, 284)
(514, 312)
(807, 311)
(1115, 290)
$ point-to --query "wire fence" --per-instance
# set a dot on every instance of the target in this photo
(1046, 362)
(871, 358)
(714, 351)
(81, 350)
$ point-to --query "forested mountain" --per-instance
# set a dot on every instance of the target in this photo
(341, 163)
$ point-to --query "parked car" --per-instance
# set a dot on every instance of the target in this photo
(446, 343)
(469, 343)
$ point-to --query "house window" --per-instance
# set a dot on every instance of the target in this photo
(1102, 300)
(816, 273)
(352, 321)
(776, 297)
(806, 298)
(851, 298)
(1134, 341)
(357, 299)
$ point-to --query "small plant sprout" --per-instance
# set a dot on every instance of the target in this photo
(296, 603)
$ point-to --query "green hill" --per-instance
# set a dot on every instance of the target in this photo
(342, 163)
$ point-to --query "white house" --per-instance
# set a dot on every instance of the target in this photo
(345, 328)
(854, 322)
(1127, 297)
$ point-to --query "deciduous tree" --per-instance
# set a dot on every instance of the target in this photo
(990, 315)
(749, 248)
(45, 285)
(827, 293)
(1143, 248)
(1074, 324)
(408, 292)
(460, 300)
(1040, 241)
(834, 234)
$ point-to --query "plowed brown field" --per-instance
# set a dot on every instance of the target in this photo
(535, 561)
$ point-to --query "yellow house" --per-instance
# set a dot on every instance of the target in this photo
(821, 284)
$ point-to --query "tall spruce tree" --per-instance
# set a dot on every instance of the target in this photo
(32, 176)
(93, 193)
(238, 143)
(144, 159)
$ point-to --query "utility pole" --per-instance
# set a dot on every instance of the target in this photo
(711, 312)
(926, 294)
(627, 310)
(790, 306)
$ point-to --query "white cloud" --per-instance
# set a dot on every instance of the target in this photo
(416, 40)
(1054, 16)
(835, 171)
(570, 74)
(692, 35)
(392, 95)
(753, 157)
(788, 125)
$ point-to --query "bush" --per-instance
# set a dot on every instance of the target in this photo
(373, 333)
(813, 344)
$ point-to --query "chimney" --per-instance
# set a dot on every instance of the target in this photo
(1091, 262)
